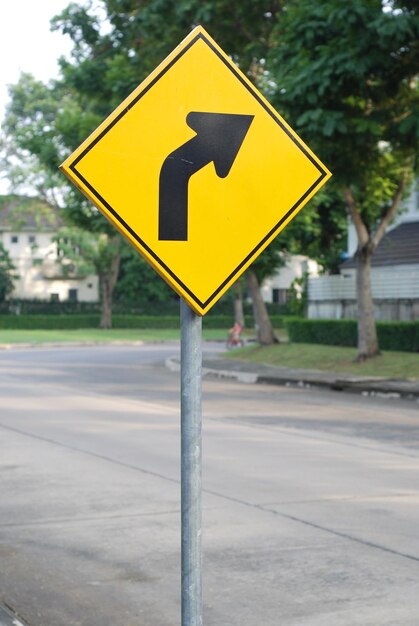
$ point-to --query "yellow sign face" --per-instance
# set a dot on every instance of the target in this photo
(197, 170)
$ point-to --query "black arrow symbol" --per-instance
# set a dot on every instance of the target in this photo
(218, 139)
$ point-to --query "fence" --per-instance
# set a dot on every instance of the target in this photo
(395, 293)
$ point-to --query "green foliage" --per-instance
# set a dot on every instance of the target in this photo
(139, 283)
(130, 307)
(319, 231)
(82, 253)
(19, 306)
(92, 320)
(106, 68)
(346, 75)
(54, 322)
(298, 296)
(46, 122)
(269, 261)
(402, 336)
(7, 275)
(48, 322)
(328, 332)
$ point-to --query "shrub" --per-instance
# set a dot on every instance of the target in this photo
(402, 336)
(48, 322)
(91, 320)
(399, 336)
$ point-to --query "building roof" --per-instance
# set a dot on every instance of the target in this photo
(400, 246)
(22, 213)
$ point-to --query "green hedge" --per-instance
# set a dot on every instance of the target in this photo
(71, 322)
(401, 336)
(170, 307)
(328, 332)
(48, 322)
(80, 320)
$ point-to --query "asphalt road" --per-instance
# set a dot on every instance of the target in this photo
(311, 498)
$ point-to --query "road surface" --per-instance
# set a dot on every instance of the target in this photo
(311, 498)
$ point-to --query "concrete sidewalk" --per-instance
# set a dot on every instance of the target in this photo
(246, 372)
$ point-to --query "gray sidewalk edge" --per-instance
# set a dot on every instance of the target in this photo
(252, 373)
(8, 618)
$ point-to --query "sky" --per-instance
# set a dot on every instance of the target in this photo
(27, 45)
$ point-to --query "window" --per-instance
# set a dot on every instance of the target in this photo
(14, 239)
(32, 239)
(72, 295)
(279, 296)
(54, 297)
(63, 241)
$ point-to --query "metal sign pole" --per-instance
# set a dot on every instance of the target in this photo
(191, 463)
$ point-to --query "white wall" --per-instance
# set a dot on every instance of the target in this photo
(296, 266)
(394, 282)
(40, 276)
(395, 292)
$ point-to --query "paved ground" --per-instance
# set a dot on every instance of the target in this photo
(311, 497)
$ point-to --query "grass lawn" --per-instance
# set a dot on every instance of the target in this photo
(401, 365)
(96, 335)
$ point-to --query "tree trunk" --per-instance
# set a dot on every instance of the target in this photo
(367, 243)
(263, 326)
(107, 282)
(367, 334)
(238, 304)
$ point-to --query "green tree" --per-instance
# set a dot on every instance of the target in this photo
(38, 135)
(347, 76)
(7, 275)
(319, 231)
(138, 283)
(82, 253)
(106, 68)
(48, 122)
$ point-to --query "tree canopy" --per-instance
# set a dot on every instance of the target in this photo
(345, 75)
(7, 274)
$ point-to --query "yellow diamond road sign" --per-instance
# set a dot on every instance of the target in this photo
(197, 170)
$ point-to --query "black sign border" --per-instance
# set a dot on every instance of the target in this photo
(121, 221)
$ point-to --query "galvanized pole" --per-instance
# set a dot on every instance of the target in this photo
(191, 463)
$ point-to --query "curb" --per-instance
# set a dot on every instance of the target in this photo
(9, 618)
(173, 364)
(268, 375)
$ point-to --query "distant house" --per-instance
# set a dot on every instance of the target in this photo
(276, 289)
(27, 230)
(394, 275)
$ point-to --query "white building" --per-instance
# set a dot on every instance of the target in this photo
(276, 289)
(394, 274)
(27, 230)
